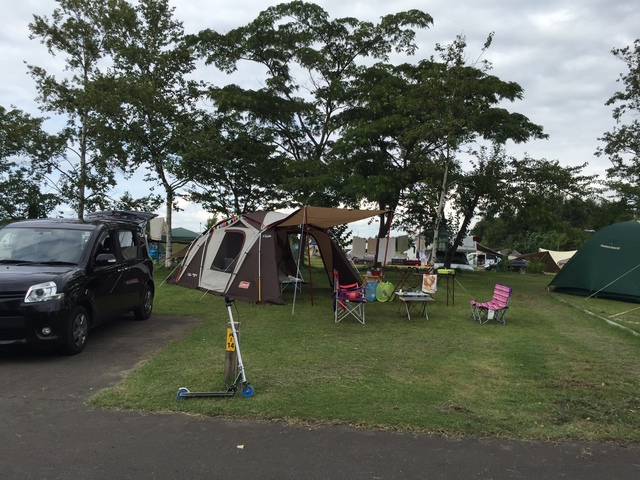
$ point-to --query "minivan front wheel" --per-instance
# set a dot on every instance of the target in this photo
(77, 330)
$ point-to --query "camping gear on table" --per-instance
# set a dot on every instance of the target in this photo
(419, 299)
(246, 390)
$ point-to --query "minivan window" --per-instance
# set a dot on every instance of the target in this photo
(45, 245)
(128, 244)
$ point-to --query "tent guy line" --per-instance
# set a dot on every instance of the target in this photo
(589, 312)
(613, 281)
(622, 313)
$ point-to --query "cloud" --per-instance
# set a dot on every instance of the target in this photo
(560, 53)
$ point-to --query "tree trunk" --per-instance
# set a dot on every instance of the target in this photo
(440, 213)
(168, 261)
(82, 184)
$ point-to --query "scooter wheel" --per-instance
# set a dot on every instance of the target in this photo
(247, 391)
(181, 393)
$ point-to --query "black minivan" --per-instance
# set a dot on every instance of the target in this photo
(60, 277)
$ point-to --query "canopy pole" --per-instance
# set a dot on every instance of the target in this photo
(300, 254)
(386, 249)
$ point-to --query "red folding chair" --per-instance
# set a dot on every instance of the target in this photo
(348, 300)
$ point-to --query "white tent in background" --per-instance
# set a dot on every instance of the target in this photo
(558, 256)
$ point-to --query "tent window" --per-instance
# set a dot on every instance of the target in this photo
(228, 253)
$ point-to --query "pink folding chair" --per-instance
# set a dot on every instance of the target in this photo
(494, 309)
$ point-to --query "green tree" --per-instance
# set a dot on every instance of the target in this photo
(149, 113)
(76, 30)
(310, 61)
(534, 191)
(235, 167)
(552, 221)
(148, 203)
(623, 142)
(23, 144)
(411, 123)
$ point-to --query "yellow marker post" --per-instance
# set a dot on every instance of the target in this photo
(231, 354)
(231, 343)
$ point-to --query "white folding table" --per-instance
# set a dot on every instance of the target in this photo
(417, 300)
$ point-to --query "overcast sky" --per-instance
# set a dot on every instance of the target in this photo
(559, 52)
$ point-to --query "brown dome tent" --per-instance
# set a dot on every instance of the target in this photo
(248, 256)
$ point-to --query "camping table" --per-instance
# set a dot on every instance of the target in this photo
(417, 300)
(295, 282)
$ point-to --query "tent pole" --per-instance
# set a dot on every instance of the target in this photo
(309, 257)
(260, 263)
(295, 290)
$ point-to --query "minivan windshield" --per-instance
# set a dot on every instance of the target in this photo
(42, 245)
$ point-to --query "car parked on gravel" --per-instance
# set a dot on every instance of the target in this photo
(509, 265)
(61, 277)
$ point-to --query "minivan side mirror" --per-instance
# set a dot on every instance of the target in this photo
(105, 259)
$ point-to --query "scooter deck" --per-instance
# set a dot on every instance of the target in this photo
(206, 394)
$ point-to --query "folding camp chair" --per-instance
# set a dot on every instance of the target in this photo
(494, 309)
(348, 300)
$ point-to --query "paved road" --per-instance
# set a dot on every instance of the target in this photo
(48, 432)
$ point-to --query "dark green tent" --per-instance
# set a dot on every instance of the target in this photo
(606, 266)
(181, 235)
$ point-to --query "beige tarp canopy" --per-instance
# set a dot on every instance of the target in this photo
(324, 217)
(559, 256)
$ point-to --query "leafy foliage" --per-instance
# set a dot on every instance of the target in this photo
(623, 142)
(558, 223)
(235, 168)
(332, 122)
(150, 109)
(76, 30)
(404, 137)
(310, 61)
(21, 136)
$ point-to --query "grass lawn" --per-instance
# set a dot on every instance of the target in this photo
(562, 368)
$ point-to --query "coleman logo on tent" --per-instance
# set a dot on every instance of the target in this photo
(610, 247)
(244, 285)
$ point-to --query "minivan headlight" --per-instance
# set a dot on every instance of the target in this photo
(42, 292)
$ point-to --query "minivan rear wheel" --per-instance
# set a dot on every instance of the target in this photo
(143, 311)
